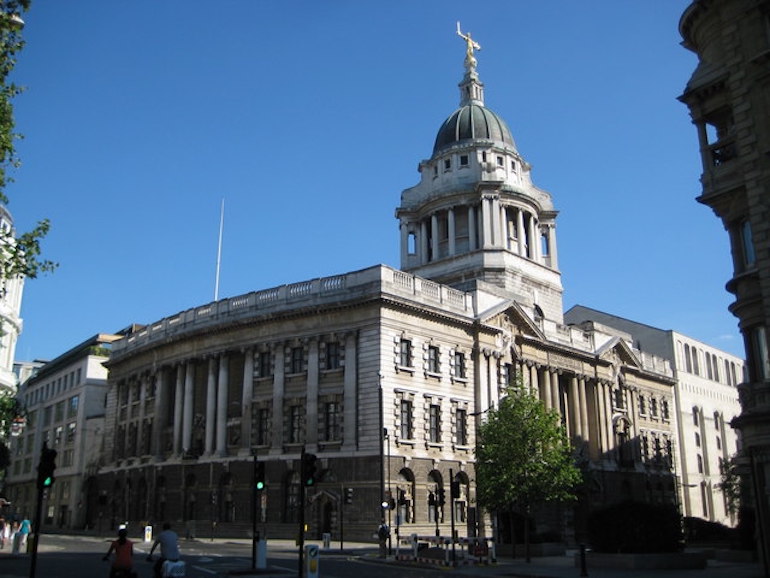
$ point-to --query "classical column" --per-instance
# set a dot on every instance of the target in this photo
(434, 237)
(555, 393)
(534, 382)
(583, 400)
(247, 393)
(483, 382)
(496, 222)
(609, 434)
(602, 425)
(486, 232)
(178, 408)
(211, 405)
(423, 242)
(187, 417)
(404, 242)
(311, 396)
(278, 393)
(534, 238)
(547, 398)
(349, 403)
(450, 218)
(520, 234)
(223, 391)
(160, 411)
(574, 412)
(552, 246)
(472, 234)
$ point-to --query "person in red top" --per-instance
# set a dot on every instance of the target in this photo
(123, 564)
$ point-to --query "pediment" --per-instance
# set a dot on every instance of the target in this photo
(617, 351)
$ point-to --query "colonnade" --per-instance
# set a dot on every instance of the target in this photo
(489, 224)
(167, 402)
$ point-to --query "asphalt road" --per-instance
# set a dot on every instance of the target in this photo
(79, 556)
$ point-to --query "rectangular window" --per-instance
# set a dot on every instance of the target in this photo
(500, 161)
(72, 410)
(59, 412)
(261, 426)
(71, 428)
(406, 420)
(747, 245)
(459, 365)
(331, 421)
(264, 365)
(463, 160)
(405, 353)
(297, 360)
(295, 424)
(332, 355)
(435, 423)
(461, 427)
(447, 164)
(434, 364)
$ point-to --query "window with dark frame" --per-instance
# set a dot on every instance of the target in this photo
(406, 419)
(331, 421)
(459, 364)
(405, 353)
(461, 427)
(434, 428)
(297, 360)
(295, 424)
(332, 355)
(434, 364)
(264, 365)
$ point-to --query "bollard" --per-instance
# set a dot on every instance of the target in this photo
(583, 568)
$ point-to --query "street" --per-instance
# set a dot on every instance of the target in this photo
(61, 556)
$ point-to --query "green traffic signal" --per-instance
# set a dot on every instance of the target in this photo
(260, 485)
(47, 482)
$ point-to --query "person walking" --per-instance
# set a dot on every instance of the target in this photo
(3, 525)
(123, 564)
(24, 530)
(168, 541)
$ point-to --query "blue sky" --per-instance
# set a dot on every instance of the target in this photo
(310, 117)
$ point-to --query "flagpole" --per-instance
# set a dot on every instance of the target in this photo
(219, 249)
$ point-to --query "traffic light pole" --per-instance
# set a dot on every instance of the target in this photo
(301, 540)
(36, 530)
(254, 496)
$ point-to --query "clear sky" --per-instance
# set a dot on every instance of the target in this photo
(310, 117)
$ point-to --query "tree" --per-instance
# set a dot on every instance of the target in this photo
(523, 457)
(10, 408)
(19, 253)
(730, 483)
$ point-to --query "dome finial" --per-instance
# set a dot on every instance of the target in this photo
(471, 44)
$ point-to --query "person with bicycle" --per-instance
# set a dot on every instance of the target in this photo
(123, 564)
(169, 549)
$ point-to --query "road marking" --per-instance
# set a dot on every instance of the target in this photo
(205, 570)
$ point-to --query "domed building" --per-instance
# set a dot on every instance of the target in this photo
(382, 375)
(10, 316)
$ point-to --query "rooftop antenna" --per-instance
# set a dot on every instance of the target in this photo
(219, 249)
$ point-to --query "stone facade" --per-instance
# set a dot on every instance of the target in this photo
(705, 403)
(10, 317)
(383, 374)
(728, 96)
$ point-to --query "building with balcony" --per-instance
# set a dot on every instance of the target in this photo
(728, 95)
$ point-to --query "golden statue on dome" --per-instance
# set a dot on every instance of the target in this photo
(471, 44)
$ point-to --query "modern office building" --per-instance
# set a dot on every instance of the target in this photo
(728, 96)
(706, 402)
(384, 373)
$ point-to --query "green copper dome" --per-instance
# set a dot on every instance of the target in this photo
(472, 122)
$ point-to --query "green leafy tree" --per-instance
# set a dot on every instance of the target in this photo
(19, 253)
(730, 483)
(9, 409)
(523, 457)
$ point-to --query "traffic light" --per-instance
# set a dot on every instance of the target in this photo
(441, 499)
(454, 490)
(309, 473)
(348, 495)
(46, 468)
(259, 475)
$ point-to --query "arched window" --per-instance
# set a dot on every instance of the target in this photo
(687, 359)
(700, 464)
